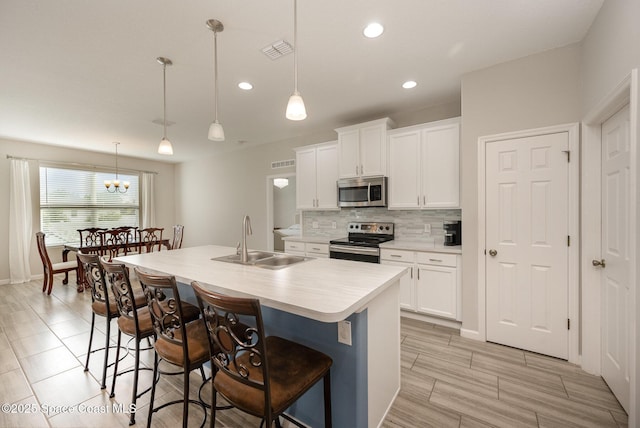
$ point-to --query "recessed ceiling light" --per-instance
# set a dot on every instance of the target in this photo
(409, 84)
(245, 85)
(373, 30)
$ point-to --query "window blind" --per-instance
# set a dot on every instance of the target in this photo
(72, 199)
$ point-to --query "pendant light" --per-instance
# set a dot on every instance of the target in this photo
(295, 107)
(216, 133)
(116, 183)
(165, 147)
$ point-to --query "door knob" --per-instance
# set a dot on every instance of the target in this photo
(599, 263)
(493, 253)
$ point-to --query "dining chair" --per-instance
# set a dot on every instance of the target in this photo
(91, 237)
(260, 375)
(50, 269)
(150, 239)
(115, 242)
(181, 337)
(176, 242)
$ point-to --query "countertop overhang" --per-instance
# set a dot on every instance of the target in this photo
(326, 290)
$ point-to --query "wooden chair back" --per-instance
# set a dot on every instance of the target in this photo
(42, 250)
(150, 239)
(91, 237)
(176, 242)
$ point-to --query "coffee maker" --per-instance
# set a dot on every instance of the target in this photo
(453, 233)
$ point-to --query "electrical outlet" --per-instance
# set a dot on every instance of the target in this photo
(333, 225)
(344, 332)
(314, 225)
(427, 228)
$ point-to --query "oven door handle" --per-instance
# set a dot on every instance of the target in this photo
(369, 193)
(354, 250)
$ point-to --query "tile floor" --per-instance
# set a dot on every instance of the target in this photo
(447, 381)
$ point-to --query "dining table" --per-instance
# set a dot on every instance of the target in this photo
(101, 249)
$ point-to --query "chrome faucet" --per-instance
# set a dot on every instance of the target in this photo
(246, 230)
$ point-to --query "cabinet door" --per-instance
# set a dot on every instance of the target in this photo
(348, 142)
(441, 167)
(326, 177)
(306, 178)
(373, 159)
(404, 170)
(407, 286)
(436, 290)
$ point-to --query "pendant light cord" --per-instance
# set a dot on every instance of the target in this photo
(164, 91)
(295, 46)
(215, 72)
(116, 160)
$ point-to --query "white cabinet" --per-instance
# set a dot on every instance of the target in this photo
(316, 176)
(362, 149)
(310, 249)
(424, 166)
(433, 286)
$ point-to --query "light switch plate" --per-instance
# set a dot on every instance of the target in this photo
(344, 332)
(427, 228)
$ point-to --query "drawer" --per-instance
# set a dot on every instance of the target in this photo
(293, 247)
(312, 248)
(438, 259)
(397, 255)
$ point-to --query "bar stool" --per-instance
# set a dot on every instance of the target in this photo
(102, 304)
(172, 323)
(262, 376)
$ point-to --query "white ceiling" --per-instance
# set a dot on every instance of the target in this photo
(83, 73)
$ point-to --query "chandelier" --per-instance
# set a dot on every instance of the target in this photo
(116, 183)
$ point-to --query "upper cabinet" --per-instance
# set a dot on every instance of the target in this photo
(362, 149)
(424, 166)
(316, 176)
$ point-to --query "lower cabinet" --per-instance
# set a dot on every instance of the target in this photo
(309, 249)
(433, 285)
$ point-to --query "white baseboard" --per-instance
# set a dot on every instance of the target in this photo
(5, 281)
(471, 334)
(433, 320)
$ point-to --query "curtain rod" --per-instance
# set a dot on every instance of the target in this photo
(79, 164)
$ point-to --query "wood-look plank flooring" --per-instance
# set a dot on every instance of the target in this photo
(447, 381)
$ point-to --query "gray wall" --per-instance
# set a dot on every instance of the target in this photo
(164, 190)
(532, 92)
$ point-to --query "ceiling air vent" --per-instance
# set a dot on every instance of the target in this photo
(283, 164)
(277, 49)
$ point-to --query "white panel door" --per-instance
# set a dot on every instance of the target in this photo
(527, 248)
(615, 252)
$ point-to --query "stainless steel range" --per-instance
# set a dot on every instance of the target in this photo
(363, 242)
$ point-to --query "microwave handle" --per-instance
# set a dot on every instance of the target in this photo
(369, 193)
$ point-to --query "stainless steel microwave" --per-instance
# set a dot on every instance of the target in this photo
(362, 192)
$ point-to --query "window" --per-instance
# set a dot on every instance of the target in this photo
(72, 199)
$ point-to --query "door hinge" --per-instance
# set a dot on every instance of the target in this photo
(568, 153)
(568, 324)
(568, 241)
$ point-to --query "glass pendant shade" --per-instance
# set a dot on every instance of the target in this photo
(295, 108)
(165, 147)
(216, 133)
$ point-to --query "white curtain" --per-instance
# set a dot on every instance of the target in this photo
(148, 200)
(19, 221)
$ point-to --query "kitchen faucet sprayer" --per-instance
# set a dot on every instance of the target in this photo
(246, 230)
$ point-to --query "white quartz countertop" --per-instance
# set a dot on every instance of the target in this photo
(327, 290)
(398, 244)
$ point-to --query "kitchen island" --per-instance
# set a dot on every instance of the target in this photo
(305, 302)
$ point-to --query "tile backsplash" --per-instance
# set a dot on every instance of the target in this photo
(408, 224)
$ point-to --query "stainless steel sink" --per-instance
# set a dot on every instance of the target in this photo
(280, 261)
(264, 259)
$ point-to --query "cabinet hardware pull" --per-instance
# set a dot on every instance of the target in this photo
(418, 274)
(357, 170)
(435, 260)
(396, 255)
(418, 199)
(411, 272)
(361, 169)
(424, 200)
